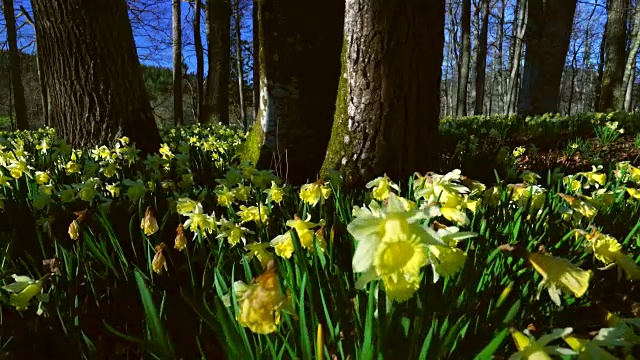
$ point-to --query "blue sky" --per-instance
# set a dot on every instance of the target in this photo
(152, 31)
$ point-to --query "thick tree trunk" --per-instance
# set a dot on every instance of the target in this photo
(299, 72)
(256, 53)
(239, 65)
(481, 60)
(197, 39)
(465, 61)
(176, 35)
(630, 67)
(92, 73)
(22, 118)
(613, 88)
(216, 99)
(386, 117)
(547, 37)
(519, 32)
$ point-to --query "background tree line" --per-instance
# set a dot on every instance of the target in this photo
(332, 85)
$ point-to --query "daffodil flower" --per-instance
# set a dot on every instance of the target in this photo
(315, 192)
(23, 289)
(259, 251)
(275, 193)
(198, 220)
(261, 303)
(609, 251)
(588, 350)
(234, 233)
(381, 187)
(531, 349)
(558, 275)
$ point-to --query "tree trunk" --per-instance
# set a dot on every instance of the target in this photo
(256, 52)
(547, 37)
(481, 60)
(197, 39)
(630, 67)
(386, 117)
(465, 61)
(176, 35)
(299, 73)
(92, 73)
(598, 89)
(502, 81)
(519, 32)
(628, 98)
(613, 89)
(239, 65)
(216, 99)
(22, 118)
(43, 89)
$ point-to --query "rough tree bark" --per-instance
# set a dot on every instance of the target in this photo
(92, 73)
(216, 99)
(481, 60)
(613, 89)
(239, 64)
(465, 59)
(547, 37)
(176, 35)
(299, 72)
(197, 40)
(20, 104)
(386, 118)
(629, 70)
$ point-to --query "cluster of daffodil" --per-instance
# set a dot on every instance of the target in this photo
(395, 239)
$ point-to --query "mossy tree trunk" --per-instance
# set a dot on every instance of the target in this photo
(92, 73)
(299, 63)
(613, 89)
(216, 98)
(547, 37)
(386, 118)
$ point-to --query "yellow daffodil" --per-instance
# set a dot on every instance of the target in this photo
(42, 178)
(275, 193)
(185, 205)
(315, 192)
(588, 350)
(259, 251)
(283, 244)
(381, 187)
(225, 196)
(260, 305)
(159, 262)
(181, 241)
(198, 220)
(23, 289)
(609, 251)
(558, 275)
(531, 349)
(149, 223)
(234, 233)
